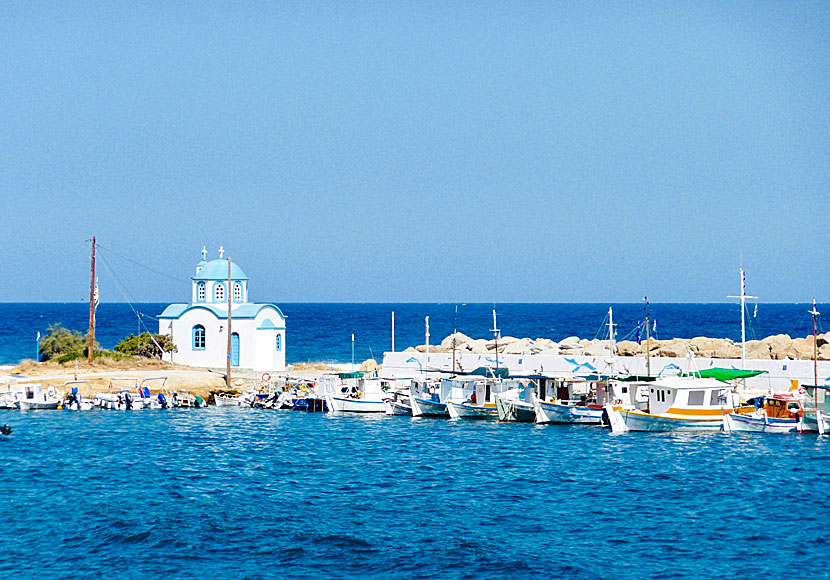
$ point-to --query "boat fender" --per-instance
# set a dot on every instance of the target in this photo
(6, 430)
(266, 377)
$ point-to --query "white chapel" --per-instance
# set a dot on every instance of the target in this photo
(199, 329)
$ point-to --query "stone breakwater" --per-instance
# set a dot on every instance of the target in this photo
(777, 347)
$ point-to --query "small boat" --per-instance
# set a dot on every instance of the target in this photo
(476, 398)
(780, 413)
(428, 398)
(34, 397)
(5, 430)
(73, 398)
(398, 404)
(517, 405)
(352, 393)
(571, 400)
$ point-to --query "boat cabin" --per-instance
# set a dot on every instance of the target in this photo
(690, 393)
(782, 407)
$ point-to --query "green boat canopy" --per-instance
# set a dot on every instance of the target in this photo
(724, 374)
(354, 375)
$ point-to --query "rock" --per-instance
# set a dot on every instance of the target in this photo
(519, 347)
(677, 347)
(598, 348)
(824, 352)
(569, 343)
(628, 348)
(369, 365)
(758, 350)
(421, 348)
(460, 339)
(823, 339)
(727, 350)
(555, 352)
(478, 346)
(411, 349)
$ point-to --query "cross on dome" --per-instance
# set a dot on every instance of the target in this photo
(221, 251)
(204, 253)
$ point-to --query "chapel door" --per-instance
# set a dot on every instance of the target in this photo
(234, 349)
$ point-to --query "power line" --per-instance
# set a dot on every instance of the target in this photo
(140, 265)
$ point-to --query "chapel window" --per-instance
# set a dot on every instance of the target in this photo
(237, 292)
(219, 292)
(201, 292)
(279, 342)
(198, 337)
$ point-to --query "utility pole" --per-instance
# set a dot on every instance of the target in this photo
(92, 307)
(228, 373)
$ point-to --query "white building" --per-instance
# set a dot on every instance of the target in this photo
(200, 329)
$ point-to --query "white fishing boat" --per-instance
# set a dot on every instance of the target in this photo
(816, 412)
(8, 400)
(398, 404)
(352, 393)
(516, 405)
(475, 398)
(571, 400)
(679, 403)
(428, 398)
(780, 413)
(33, 397)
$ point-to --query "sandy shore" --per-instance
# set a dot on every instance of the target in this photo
(198, 381)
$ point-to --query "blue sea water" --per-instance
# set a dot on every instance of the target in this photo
(322, 331)
(244, 493)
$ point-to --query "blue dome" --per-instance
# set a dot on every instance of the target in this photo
(218, 270)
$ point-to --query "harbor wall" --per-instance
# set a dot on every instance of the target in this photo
(779, 377)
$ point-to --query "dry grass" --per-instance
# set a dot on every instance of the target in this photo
(33, 368)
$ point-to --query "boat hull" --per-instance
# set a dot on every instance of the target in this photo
(737, 422)
(397, 408)
(37, 405)
(517, 411)
(341, 405)
(815, 424)
(428, 408)
(639, 421)
(556, 413)
(467, 411)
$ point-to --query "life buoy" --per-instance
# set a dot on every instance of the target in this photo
(266, 377)
(431, 389)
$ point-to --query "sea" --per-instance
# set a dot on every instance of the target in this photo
(322, 332)
(240, 493)
(237, 493)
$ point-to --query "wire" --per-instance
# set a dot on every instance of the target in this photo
(143, 265)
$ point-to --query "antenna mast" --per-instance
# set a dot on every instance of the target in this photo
(743, 298)
(495, 332)
(648, 340)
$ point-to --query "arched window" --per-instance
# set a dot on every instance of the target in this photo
(201, 291)
(237, 292)
(219, 292)
(279, 342)
(198, 337)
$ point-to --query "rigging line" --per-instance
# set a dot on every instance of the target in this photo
(142, 265)
(124, 294)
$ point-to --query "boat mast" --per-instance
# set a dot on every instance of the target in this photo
(228, 374)
(393, 331)
(495, 332)
(426, 320)
(611, 345)
(815, 314)
(743, 298)
(648, 340)
(92, 307)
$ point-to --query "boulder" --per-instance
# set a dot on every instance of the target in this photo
(824, 352)
(758, 350)
(727, 350)
(823, 339)
(411, 349)
(570, 343)
(597, 348)
(369, 365)
(555, 352)
(478, 346)
(459, 337)
(677, 347)
(628, 348)
(518, 347)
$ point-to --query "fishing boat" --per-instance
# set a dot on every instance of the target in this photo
(34, 397)
(428, 398)
(571, 400)
(517, 405)
(779, 413)
(398, 403)
(473, 398)
(682, 403)
(352, 393)
(816, 412)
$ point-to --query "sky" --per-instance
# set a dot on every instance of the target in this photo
(417, 151)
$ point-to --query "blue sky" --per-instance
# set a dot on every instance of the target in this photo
(539, 152)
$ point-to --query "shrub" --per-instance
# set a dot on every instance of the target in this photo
(63, 344)
(144, 345)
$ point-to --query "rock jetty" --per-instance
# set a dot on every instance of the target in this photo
(778, 347)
